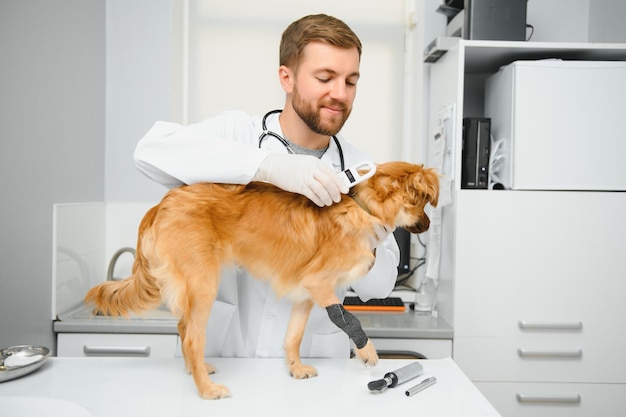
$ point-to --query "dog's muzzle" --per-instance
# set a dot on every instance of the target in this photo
(420, 227)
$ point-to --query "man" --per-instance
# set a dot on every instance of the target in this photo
(296, 149)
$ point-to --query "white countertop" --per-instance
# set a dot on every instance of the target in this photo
(406, 325)
(160, 387)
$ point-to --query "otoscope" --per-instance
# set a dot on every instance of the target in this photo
(397, 377)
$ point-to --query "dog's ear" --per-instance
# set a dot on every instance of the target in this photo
(431, 179)
(426, 183)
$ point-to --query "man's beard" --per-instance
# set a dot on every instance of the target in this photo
(311, 115)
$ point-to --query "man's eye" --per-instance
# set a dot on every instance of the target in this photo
(323, 80)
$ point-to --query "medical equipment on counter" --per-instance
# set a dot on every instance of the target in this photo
(397, 377)
(18, 361)
(421, 386)
(282, 140)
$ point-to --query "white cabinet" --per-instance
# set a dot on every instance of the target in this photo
(537, 277)
(110, 344)
(555, 399)
(539, 286)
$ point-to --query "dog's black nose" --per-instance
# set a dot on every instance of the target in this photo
(421, 226)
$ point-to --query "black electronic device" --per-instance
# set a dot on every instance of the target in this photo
(403, 237)
(475, 154)
(352, 303)
(503, 20)
(495, 20)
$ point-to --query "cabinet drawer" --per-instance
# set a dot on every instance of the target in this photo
(430, 348)
(555, 400)
(106, 344)
(531, 257)
(543, 360)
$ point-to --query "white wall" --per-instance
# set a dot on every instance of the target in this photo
(578, 20)
(430, 24)
(141, 86)
(233, 65)
(51, 149)
(559, 20)
(607, 21)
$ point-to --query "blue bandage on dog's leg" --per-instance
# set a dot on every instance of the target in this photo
(348, 323)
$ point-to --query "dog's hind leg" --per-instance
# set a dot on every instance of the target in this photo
(199, 297)
(182, 330)
(295, 330)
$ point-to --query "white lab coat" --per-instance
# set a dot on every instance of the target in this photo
(247, 320)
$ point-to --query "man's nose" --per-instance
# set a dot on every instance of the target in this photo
(339, 91)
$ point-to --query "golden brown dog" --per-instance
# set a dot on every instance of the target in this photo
(196, 229)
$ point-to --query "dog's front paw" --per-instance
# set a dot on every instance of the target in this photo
(214, 392)
(301, 371)
(367, 354)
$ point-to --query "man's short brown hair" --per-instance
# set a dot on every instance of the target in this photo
(319, 27)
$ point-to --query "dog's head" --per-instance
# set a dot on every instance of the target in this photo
(398, 193)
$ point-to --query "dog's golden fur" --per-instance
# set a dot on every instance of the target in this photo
(305, 252)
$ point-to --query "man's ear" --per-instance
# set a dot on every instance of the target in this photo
(286, 78)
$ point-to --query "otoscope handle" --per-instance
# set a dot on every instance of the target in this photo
(397, 377)
(406, 373)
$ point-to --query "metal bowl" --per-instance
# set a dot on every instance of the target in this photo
(18, 361)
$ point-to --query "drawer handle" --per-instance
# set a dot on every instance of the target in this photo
(117, 350)
(554, 325)
(548, 353)
(565, 399)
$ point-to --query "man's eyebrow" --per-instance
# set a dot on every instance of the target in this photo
(333, 72)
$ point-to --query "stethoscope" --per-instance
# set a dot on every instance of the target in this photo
(282, 140)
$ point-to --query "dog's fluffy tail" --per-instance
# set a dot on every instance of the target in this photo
(137, 293)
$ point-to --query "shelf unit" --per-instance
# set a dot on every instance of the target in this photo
(531, 281)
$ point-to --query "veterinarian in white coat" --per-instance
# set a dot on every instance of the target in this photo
(247, 319)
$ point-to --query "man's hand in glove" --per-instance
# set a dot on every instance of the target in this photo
(303, 174)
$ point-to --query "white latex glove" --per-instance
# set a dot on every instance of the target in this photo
(302, 174)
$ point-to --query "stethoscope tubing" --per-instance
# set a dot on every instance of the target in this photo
(266, 132)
